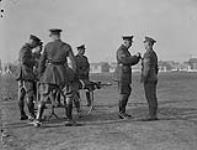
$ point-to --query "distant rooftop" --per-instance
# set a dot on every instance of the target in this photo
(192, 60)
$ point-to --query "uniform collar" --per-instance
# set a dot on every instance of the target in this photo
(59, 40)
(124, 47)
(80, 55)
(28, 45)
(150, 50)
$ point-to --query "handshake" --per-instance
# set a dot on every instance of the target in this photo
(138, 54)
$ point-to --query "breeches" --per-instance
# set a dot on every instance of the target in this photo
(25, 88)
(150, 94)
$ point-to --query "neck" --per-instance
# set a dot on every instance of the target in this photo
(125, 45)
(56, 39)
(29, 44)
(80, 54)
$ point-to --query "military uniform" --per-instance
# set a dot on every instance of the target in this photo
(25, 78)
(54, 73)
(83, 69)
(36, 57)
(124, 75)
(149, 78)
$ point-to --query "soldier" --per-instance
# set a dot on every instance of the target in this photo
(149, 77)
(36, 56)
(124, 74)
(83, 68)
(53, 73)
(26, 77)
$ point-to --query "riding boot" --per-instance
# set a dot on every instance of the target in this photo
(40, 112)
(30, 106)
(88, 97)
(153, 112)
(69, 111)
(21, 109)
(122, 103)
(69, 121)
(77, 105)
(21, 96)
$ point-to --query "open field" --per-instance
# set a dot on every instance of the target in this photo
(102, 130)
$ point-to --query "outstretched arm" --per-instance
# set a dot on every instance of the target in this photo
(127, 60)
(72, 59)
(42, 63)
(146, 67)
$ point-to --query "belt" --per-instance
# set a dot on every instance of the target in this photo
(56, 62)
(121, 65)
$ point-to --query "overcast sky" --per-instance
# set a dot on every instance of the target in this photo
(100, 24)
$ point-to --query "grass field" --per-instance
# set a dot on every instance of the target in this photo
(102, 130)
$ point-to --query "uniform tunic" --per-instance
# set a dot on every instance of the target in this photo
(150, 67)
(53, 64)
(83, 67)
(36, 57)
(26, 63)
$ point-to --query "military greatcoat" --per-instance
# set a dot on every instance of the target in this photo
(26, 63)
(123, 73)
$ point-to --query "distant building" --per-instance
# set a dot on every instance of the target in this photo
(168, 66)
(185, 67)
(101, 67)
(193, 64)
(135, 68)
(112, 67)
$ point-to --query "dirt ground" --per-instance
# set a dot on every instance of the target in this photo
(102, 130)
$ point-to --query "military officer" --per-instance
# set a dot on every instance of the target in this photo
(53, 73)
(83, 68)
(36, 56)
(26, 77)
(124, 73)
(149, 77)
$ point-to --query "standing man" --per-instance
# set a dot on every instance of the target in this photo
(149, 77)
(36, 56)
(26, 77)
(124, 73)
(83, 68)
(53, 73)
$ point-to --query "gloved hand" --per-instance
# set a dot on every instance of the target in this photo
(138, 54)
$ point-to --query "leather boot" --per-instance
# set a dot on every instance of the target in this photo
(40, 112)
(30, 106)
(23, 115)
(88, 99)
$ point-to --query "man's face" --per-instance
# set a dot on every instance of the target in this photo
(128, 43)
(38, 49)
(147, 45)
(33, 43)
(81, 51)
(54, 36)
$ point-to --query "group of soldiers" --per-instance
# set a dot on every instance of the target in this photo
(42, 75)
(148, 75)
